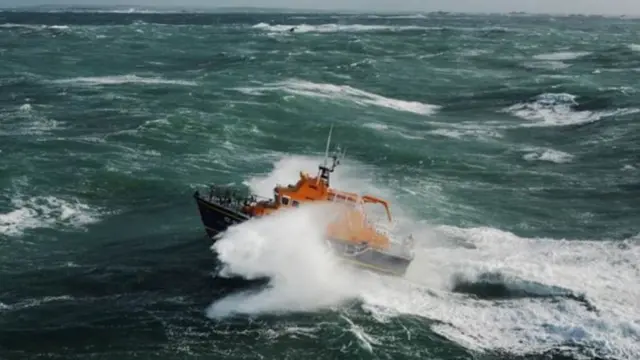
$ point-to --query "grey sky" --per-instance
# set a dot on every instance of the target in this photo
(613, 7)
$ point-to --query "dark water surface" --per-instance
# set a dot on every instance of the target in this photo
(509, 145)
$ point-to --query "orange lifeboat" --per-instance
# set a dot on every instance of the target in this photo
(352, 235)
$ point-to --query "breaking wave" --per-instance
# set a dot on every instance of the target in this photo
(558, 109)
(45, 212)
(123, 79)
(288, 248)
(343, 93)
(522, 296)
(500, 292)
(549, 155)
(330, 28)
(562, 55)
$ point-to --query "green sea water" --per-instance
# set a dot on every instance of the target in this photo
(508, 145)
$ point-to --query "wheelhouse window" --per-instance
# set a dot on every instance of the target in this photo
(295, 203)
(285, 200)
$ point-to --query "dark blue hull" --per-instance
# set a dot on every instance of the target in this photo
(217, 217)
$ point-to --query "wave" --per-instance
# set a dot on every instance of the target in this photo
(27, 119)
(123, 79)
(33, 27)
(500, 292)
(561, 55)
(34, 302)
(279, 247)
(331, 28)
(462, 131)
(45, 212)
(558, 109)
(495, 285)
(550, 155)
(343, 93)
(370, 28)
(549, 294)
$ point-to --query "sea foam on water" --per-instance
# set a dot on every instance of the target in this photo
(571, 278)
(288, 247)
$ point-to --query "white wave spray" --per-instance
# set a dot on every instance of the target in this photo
(287, 247)
(579, 292)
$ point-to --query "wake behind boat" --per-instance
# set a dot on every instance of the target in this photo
(352, 236)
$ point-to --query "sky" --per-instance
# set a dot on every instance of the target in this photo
(605, 7)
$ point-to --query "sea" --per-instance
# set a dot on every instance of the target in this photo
(507, 145)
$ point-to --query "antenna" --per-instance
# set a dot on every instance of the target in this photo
(326, 153)
(337, 157)
(344, 154)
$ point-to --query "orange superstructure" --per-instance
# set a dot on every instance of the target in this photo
(352, 224)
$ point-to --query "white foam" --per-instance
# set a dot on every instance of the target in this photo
(365, 340)
(393, 130)
(555, 109)
(605, 272)
(460, 131)
(415, 16)
(332, 28)
(27, 120)
(549, 65)
(474, 52)
(34, 302)
(33, 27)
(344, 93)
(45, 212)
(377, 126)
(634, 47)
(123, 79)
(550, 155)
(288, 247)
(561, 55)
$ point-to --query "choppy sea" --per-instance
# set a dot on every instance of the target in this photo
(509, 145)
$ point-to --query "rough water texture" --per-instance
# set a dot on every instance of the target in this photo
(509, 146)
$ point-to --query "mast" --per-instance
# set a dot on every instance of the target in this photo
(324, 170)
(326, 152)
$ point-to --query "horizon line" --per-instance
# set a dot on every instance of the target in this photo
(274, 9)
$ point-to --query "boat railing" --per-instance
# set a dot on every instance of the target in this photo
(230, 197)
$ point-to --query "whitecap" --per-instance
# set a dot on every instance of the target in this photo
(561, 55)
(556, 109)
(344, 93)
(122, 79)
(331, 28)
(586, 295)
(549, 155)
(45, 212)
(596, 309)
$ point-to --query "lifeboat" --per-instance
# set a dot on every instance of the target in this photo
(353, 236)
